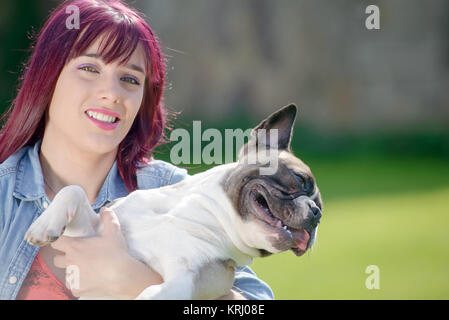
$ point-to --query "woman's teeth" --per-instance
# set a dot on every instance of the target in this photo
(101, 117)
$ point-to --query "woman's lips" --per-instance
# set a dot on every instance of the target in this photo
(105, 112)
(103, 124)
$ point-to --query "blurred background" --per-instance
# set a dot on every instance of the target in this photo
(373, 122)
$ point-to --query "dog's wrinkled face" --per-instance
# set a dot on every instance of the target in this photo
(280, 211)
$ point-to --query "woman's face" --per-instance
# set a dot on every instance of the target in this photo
(94, 104)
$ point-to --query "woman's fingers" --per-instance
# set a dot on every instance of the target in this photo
(60, 261)
(63, 243)
(110, 221)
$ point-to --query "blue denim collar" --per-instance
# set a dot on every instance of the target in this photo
(30, 181)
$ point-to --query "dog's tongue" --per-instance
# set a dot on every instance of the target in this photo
(300, 239)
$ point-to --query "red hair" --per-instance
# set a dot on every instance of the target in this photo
(56, 45)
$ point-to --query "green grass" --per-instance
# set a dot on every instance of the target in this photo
(340, 178)
(388, 212)
(405, 235)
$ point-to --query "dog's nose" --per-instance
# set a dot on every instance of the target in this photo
(316, 212)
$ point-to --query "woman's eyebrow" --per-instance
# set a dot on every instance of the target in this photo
(131, 66)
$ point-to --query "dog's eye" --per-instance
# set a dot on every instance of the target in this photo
(300, 180)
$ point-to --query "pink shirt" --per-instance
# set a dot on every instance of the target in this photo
(42, 284)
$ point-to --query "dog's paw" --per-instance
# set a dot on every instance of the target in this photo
(150, 293)
(40, 239)
(46, 229)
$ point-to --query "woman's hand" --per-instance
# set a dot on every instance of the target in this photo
(104, 266)
(233, 295)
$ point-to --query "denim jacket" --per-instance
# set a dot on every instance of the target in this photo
(23, 199)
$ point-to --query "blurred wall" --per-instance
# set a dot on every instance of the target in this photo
(258, 54)
(249, 56)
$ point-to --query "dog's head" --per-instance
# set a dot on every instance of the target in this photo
(280, 210)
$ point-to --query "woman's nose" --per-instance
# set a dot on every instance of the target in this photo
(109, 90)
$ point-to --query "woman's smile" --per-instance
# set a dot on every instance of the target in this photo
(104, 119)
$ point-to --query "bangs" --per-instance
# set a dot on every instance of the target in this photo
(118, 41)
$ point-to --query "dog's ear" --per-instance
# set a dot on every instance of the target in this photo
(283, 121)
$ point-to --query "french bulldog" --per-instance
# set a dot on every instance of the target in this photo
(194, 233)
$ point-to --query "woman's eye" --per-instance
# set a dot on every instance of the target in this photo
(88, 69)
(130, 80)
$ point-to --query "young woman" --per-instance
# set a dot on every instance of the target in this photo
(89, 111)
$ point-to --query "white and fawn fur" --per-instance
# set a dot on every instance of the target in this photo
(189, 233)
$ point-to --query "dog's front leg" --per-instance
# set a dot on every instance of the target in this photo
(178, 287)
(211, 281)
(214, 279)
(69, 213)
